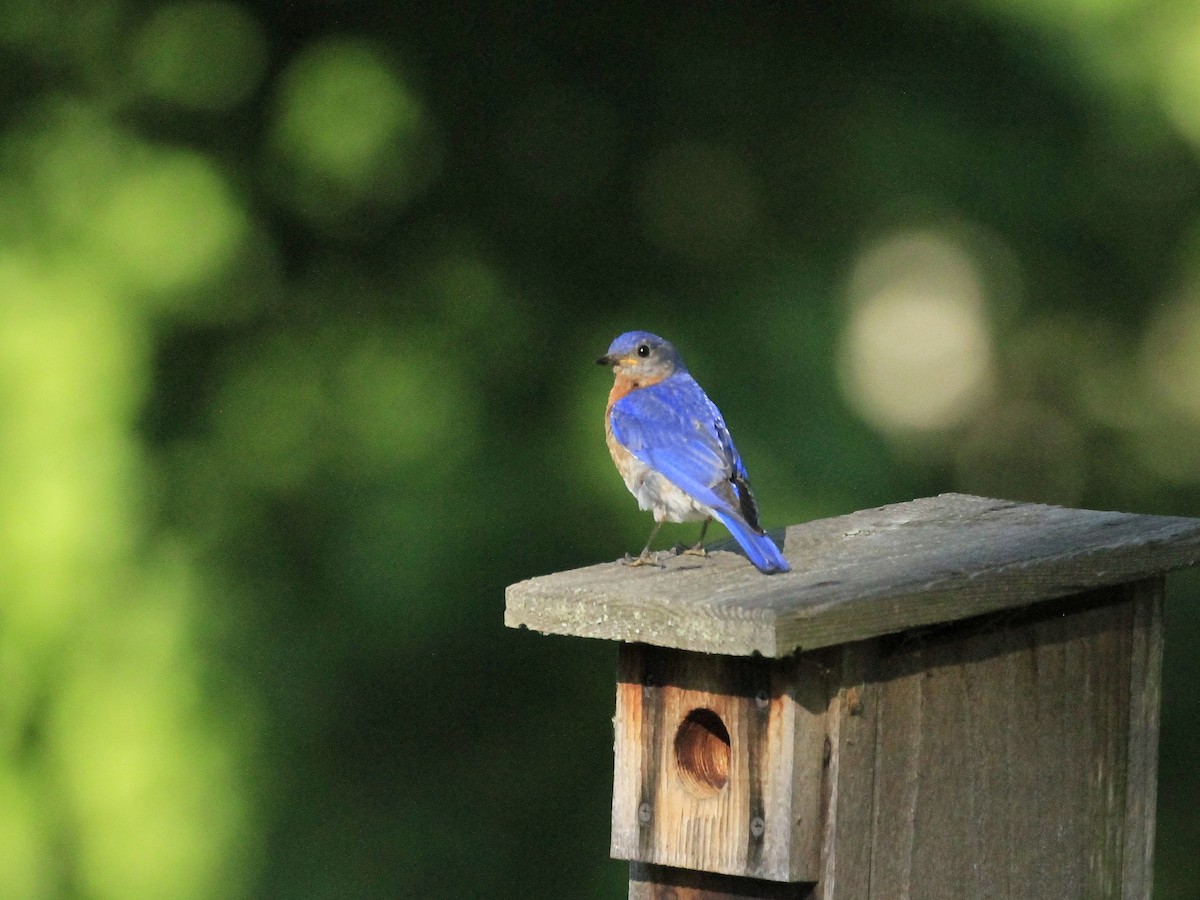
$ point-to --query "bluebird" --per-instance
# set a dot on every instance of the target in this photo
(670, 444)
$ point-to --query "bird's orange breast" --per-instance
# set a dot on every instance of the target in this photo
(623, 386)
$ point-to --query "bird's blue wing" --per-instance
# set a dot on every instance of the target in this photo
(675, 429)
(739, 478)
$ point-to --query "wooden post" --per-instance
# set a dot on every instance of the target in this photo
(953, 697)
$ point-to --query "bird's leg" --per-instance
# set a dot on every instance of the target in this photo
(644, 558)
(698, 548)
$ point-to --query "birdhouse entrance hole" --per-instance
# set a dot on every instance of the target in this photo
(702, 751)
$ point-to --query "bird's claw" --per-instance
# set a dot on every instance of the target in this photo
(645, 559)
(698, 550)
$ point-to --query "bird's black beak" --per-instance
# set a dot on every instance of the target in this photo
(606, 361)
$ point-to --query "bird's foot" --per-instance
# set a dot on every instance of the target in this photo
(697, 550)
(645, 559)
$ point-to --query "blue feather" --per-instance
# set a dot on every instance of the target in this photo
(673, 427)
(760, 549)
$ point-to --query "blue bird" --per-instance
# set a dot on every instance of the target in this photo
(670, 444)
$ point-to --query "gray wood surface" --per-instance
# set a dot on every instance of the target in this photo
(1008, 756)
(857, 576)
(1000, 759)
(1141, 787)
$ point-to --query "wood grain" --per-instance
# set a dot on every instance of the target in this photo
(1006, 757)
(848, 794)
(1141, 791)
(765, 819)
(859, 576)
(651, 882)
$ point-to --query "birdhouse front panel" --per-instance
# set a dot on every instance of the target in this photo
(719, 762)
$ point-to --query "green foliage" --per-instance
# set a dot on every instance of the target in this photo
(298, 312)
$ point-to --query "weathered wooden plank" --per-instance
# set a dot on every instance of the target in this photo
(848, 796)
(1145, 690)
(1008, 757)
(719, 762)
(858, 576)
(651, 882)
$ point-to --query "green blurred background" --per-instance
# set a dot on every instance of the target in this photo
(299, 305)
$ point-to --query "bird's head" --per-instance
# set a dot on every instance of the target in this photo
(642, 356)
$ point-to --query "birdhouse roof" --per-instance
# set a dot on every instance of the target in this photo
(874, 572)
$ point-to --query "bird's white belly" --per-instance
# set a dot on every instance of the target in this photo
(658, 495)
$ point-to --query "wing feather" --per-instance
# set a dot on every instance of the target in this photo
(675, 429)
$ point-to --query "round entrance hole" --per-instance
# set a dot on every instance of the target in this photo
(702, 752)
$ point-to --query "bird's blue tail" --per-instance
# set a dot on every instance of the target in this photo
(760, 548)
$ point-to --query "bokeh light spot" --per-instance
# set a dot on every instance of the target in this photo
(268, 415)
(146, 766)
(358, 402)
(73, 155)
(349, 132)
(170, 223)
(343, 109)
(203, 55)
(72, 363)
(401, 404)
(1175, 61)
(916, 352)
(26, 863)
(468, 296)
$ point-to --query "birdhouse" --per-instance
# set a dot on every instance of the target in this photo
(952, 697)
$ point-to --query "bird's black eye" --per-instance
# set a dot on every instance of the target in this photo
(643, 350)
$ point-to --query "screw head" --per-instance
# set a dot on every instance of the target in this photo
(757, 827)
(645, 813)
